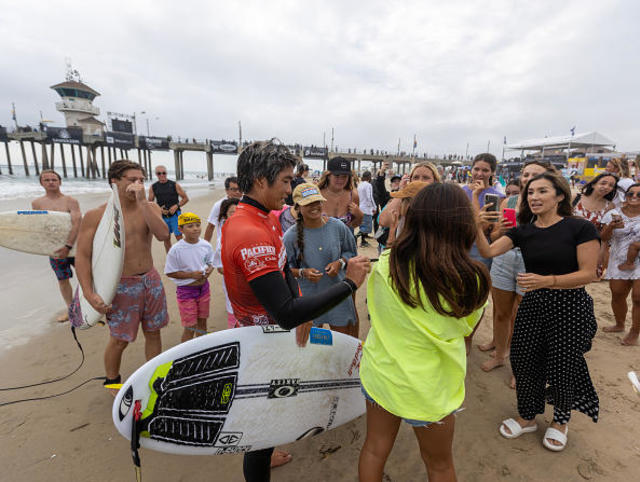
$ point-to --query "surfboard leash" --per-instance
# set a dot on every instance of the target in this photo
(75, 337)
(136, 428)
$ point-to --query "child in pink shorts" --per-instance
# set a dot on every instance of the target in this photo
(189, 264)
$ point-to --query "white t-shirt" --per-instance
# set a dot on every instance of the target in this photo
(365, 193)
(185, 256)
(213, 216)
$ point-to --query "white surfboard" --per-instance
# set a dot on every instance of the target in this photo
(107, 260)
(242, 389)
(36, 232)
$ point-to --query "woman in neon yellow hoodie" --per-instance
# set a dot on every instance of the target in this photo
(425, 295)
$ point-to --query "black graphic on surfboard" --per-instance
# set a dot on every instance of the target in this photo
(197, 392)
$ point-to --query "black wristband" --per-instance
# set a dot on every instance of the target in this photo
(69, 247)
(352, 286)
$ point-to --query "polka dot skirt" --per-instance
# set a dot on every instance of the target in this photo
(553, 330)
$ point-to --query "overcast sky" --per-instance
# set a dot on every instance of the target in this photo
(452, 73)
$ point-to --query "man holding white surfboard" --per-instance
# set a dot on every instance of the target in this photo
(261, 287)
(54, 200)
(140, 297)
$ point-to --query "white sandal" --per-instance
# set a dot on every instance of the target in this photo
(557, 436)
(516, 428)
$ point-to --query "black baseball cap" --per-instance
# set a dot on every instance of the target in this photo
(339, 165)
(395, 177)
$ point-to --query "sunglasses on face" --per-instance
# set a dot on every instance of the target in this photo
(634, 194)
(161, 173)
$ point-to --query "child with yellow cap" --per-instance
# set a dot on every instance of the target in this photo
(189, 264)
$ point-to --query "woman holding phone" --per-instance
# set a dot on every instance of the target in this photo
(555, 323)
(505, 292)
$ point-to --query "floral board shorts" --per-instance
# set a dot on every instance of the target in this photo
(193, 303)
(139, 300)
(62, 267)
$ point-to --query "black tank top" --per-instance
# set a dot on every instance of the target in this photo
(166, 193)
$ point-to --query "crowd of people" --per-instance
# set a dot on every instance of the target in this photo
(288, 254)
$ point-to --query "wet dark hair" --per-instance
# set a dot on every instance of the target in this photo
(432, 254)
(366, 176)
(587, 189)
(263, 159)
(49, 171)
(488, 158)
(117, 169)
(561, 187)
(224, 207)
(228, 181)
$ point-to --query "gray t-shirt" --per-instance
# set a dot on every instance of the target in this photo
(322, 246)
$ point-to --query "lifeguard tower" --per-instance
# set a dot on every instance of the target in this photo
(77, 104)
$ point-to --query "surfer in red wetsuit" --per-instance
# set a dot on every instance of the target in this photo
(261, 287)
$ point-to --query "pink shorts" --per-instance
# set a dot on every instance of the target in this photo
(193, 303)
(139, 300)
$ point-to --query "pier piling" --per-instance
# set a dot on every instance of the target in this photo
(53, 154)
(82, 170)
(104, 172)
(24, 159)
(35, 158)
(45, 159)
(210, 166)
(73, 160)
(6, 149)
(64, 161)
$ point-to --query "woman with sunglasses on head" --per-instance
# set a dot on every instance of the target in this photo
(622, 230)
(555, 323)
(505, 292)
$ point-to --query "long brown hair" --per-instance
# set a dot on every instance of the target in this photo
(432, 253)
(562, 188)
(323, 183)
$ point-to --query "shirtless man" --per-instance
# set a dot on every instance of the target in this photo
(140, 286)
(54, 200)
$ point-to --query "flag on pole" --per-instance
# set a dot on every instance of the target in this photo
(415, 141)
(505, 139)
(573, 131)
(13, 112)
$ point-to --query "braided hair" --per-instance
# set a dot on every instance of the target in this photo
(300, 240)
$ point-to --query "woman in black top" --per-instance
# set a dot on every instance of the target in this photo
(555, 322)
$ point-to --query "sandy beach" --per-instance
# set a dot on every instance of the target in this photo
(71, 437)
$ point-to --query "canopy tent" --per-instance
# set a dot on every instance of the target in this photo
(585, 140)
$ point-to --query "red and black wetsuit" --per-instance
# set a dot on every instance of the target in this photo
(262, 289)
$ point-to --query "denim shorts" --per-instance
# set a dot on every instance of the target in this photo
(505, 269)
(410, 421)
(475, 255)
(365, 226)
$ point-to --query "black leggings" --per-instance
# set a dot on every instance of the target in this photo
(256, 465)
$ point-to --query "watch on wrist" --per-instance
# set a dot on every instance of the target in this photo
(68, 246)
(343, 263)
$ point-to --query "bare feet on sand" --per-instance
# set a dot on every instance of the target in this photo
(487, 346)
(627, 266)
(492, 363)
(630, 339)
(62, 318)
(280, 457)
(613, 329)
